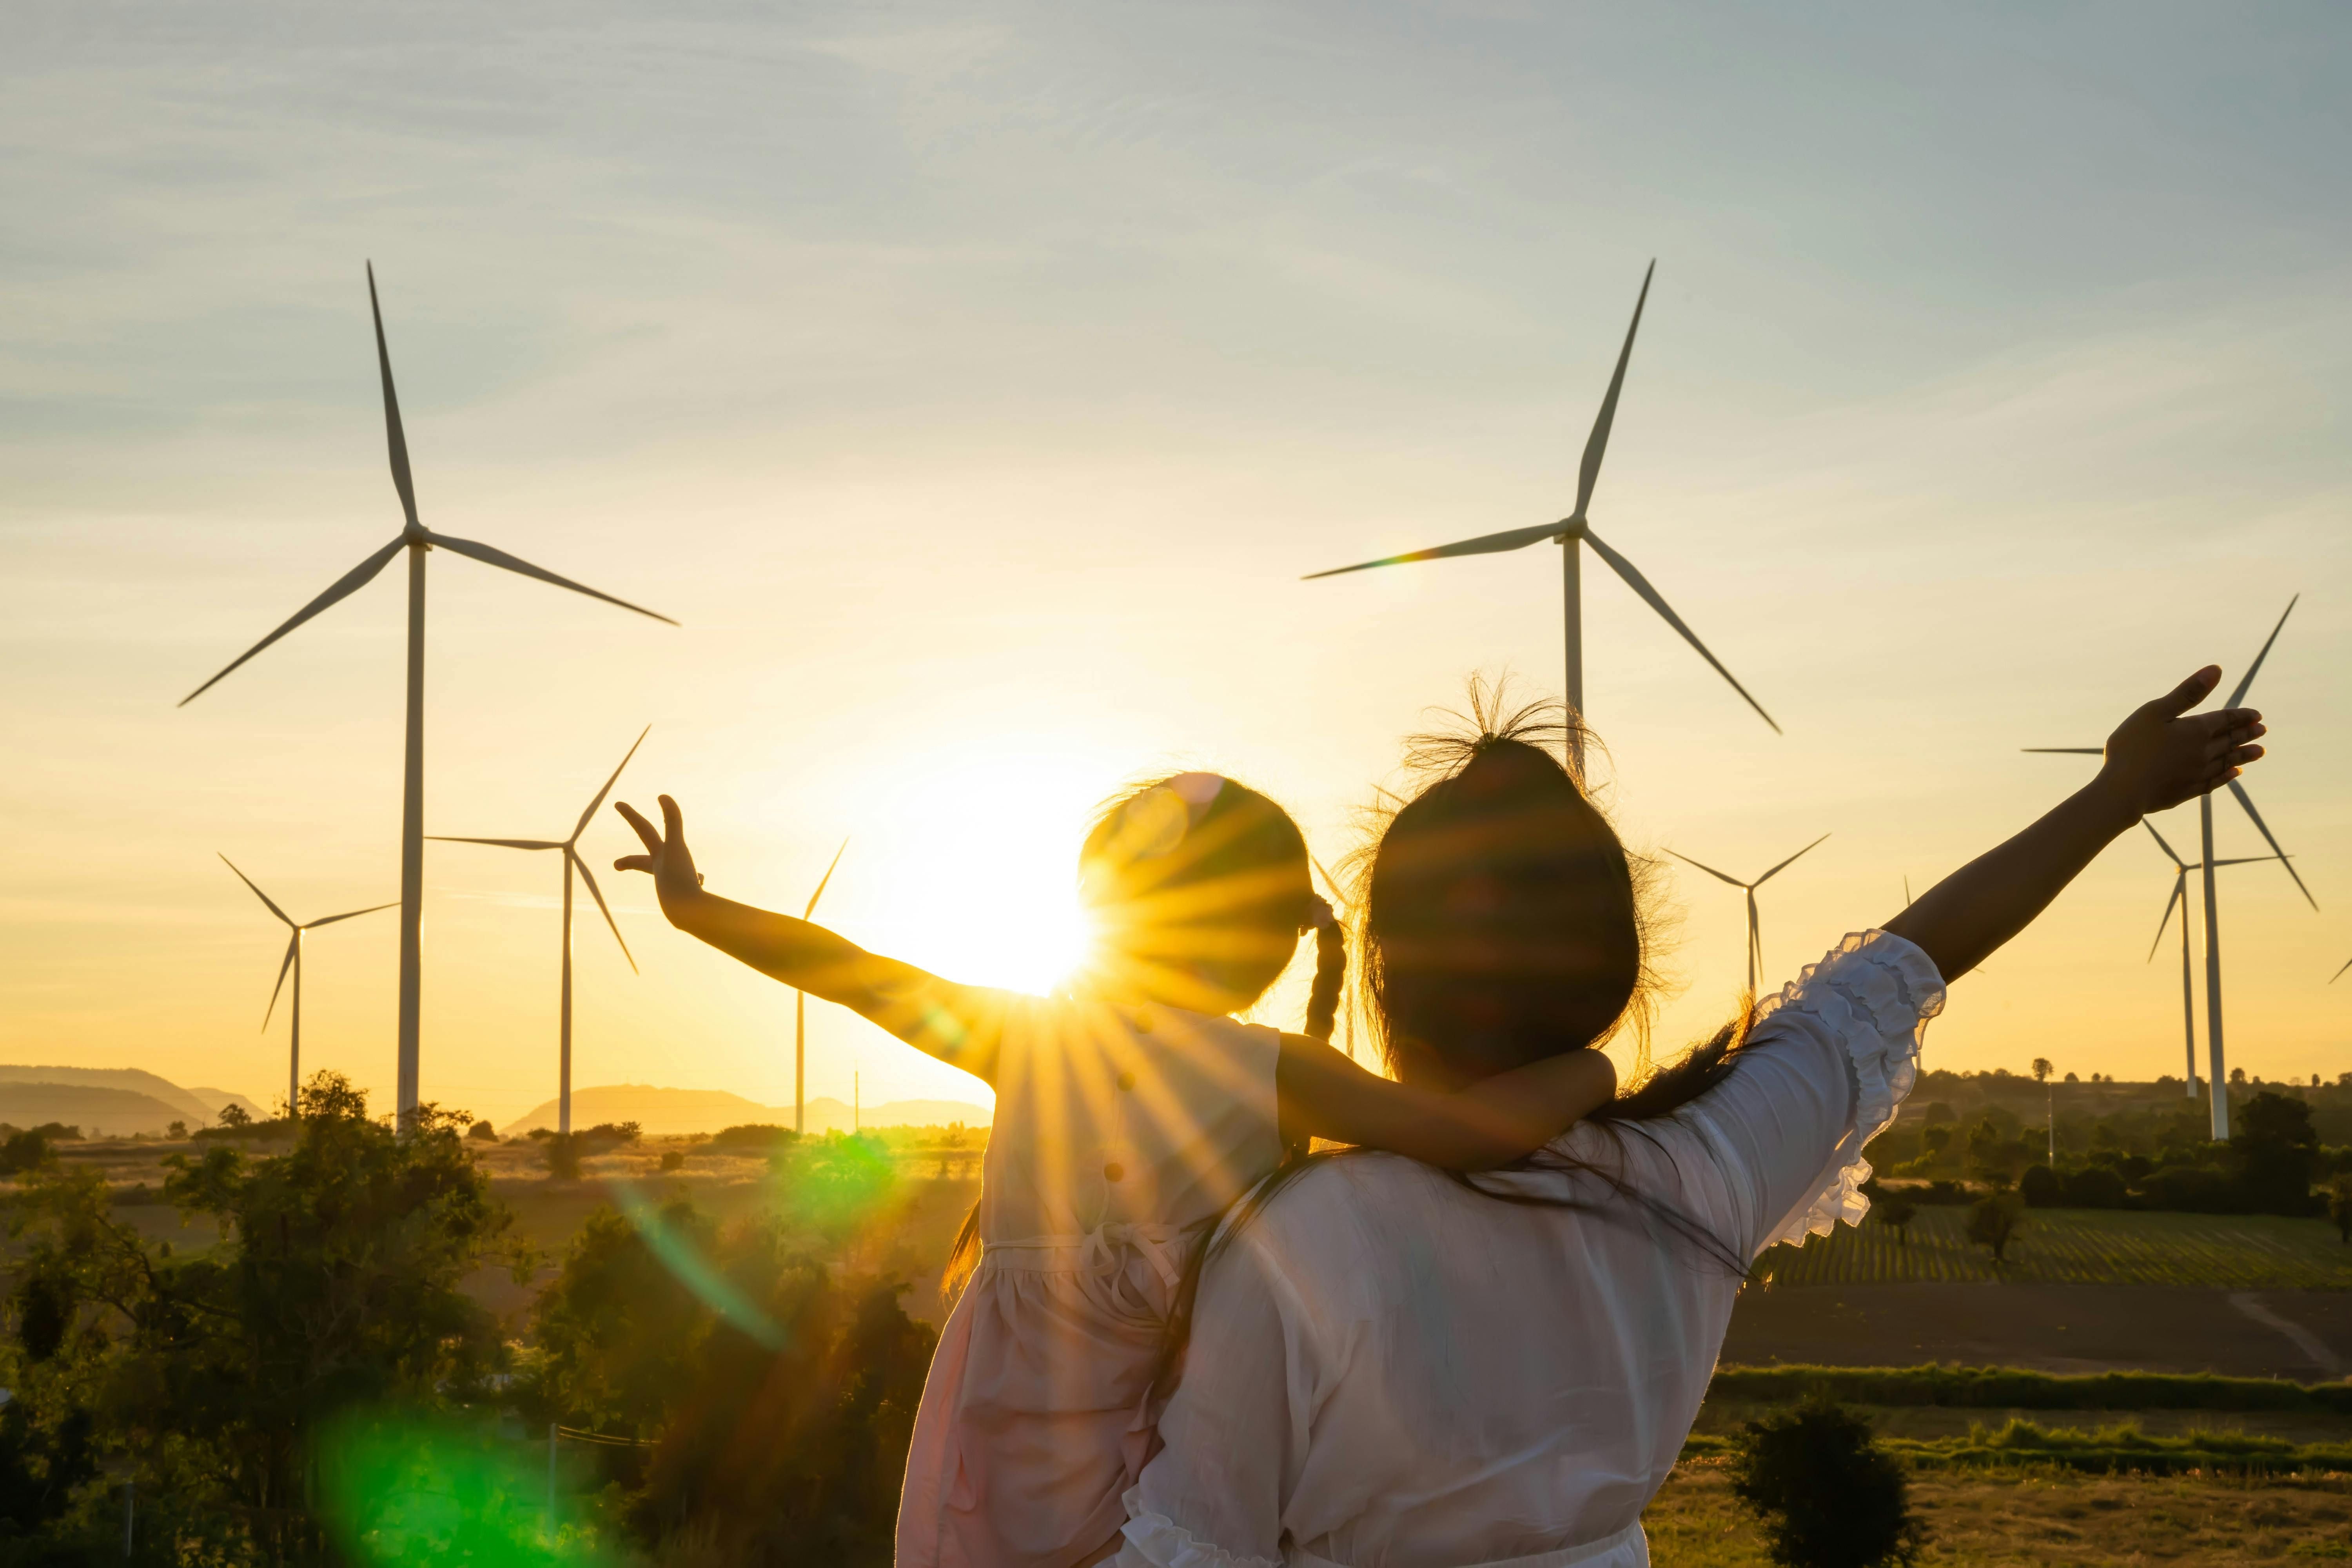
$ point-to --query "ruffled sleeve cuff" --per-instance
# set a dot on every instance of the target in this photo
(1872, 995)
(1155, 1540)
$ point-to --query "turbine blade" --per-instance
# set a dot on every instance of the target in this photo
(344, 587)
(821, 881)
(2250, 860)
(1906, 891)
(1641, 584)
(594, 892)
(1598, 442)
(2066, 751)
(581, 827)
(286, 963)
(257, 893)
(495, 557)
(501, 843)
(2339, 973)
(2265, 829)
(351, 914)
(394, 435)
(1485, 545)
(1790, 860)
(2160, 844)
(1718, 876)
(2179, 892)
(2255, 668)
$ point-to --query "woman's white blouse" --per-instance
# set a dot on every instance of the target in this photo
(1387, 1371)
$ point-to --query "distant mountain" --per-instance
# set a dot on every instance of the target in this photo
(99, 1112)
(674, 1112)
(186, 1106)
(216, 1098)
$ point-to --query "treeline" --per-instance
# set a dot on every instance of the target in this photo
(2147, 1157)
(319, 1387)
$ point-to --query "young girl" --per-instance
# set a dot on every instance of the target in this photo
(1131, 1112)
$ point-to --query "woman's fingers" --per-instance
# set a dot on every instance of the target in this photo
(653, 841)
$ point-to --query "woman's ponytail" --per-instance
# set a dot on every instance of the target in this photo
(1330, 971)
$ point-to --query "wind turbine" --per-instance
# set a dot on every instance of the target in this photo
(2180, 869)
(417, 540)
(1755, 940)
(292, 960)
(1569, 533)
(572, 862)
(800, 1018)
(2213, 1052)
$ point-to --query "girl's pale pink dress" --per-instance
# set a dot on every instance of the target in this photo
(1121, 1133)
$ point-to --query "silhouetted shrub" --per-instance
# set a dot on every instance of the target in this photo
(1829, 1496)
(2040, 1187)
(2096, 1187)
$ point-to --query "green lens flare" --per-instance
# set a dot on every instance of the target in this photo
(683, 1258)
(405, 1493)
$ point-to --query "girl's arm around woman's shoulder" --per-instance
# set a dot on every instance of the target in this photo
(961, 1025)
(1325, 1094)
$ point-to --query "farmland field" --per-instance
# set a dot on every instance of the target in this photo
(2079, 1246)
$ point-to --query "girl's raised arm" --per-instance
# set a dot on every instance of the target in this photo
(1491, 1123)
(2156, 759)
(961, 1025)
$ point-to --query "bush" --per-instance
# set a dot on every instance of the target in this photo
(2042, 1188)
(753, 1138)
(1829, 1496)
(2191, 1189)
(27, 1151)
(482, 1132)
(673, 1160)
(1994, 1222)
(2096, 1187)
(563, 1154)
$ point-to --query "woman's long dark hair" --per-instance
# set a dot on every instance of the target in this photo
(1503, 922)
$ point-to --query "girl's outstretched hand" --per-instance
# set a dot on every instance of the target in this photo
(676, 881)
(2158, 758)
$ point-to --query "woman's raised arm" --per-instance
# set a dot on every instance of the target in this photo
(2158, 757)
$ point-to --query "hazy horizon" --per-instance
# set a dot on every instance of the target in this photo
(976, 387)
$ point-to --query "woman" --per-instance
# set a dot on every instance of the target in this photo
(1390, 1368)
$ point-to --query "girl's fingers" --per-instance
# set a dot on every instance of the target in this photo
(645, 829)
(672, 821)
(634, 863)
(2189, 692)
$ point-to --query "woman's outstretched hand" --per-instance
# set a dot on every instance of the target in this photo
(2163, 754)
(676, 881)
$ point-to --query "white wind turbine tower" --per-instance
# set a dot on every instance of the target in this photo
(1755, 939)
(2180, 869)
(800, 1017)
(1569, 533)
(417, 540)
(2215, 1066)
(292, 960)
(572, 862)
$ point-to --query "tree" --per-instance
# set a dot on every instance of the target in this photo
(1829, 1495)
(1899, 1212)
(234, 1115)
(1937, 1137)
(2340, 1206)
(2276, 1152)
(1994, 1222)
(27, 1151)
(482, 1132)
(336, 1286)
(177, 1129)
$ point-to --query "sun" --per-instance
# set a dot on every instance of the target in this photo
(983, 860)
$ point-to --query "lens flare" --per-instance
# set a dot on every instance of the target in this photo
(402, 1492)
(685, 1260)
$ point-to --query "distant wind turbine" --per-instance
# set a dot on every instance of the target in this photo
(572, 862)
(1569, 533)
(800, 1017)
(292, 960)
(1755, 940)
(2180, 869)
(417, 540)
(2213, 1050)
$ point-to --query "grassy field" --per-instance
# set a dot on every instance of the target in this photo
(1982, 1519)
(2080, 1246)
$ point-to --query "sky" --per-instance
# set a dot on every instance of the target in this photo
(975, 384)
